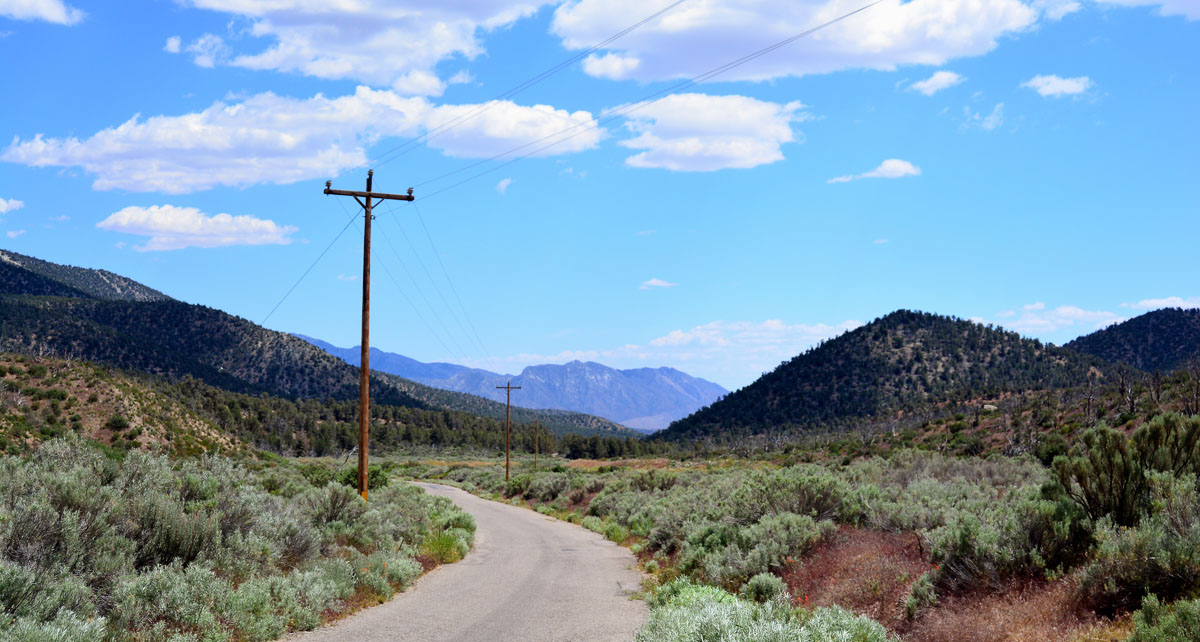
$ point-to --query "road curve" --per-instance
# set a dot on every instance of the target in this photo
(529, 578)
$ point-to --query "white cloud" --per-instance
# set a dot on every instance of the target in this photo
(697, 37)
(699, 132)
(613, 66)
(502, 186)
(890, 168)
(174, 45)
(1056, 9)
(348, 278)
(173, 228)
(938, 81)
(988, 122)
(1165, 302)
(657, 283)
(12, 234)
(505, 125)
(207, 50)
(274, 139)
(1054, 86)
(60, 218)
(881, 241)
(48, 10)
(383, 43)
(732, 353)
(1042, 320)
(1187, 8)
(10, 205)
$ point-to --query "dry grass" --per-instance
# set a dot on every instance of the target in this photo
(1035, 611)
(868, 572)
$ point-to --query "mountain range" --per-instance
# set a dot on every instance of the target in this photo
(645, 399)
(94, 315)
(1164, 340)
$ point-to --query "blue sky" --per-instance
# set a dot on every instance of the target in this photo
(1031, 164)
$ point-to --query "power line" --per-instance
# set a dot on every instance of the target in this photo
(453, 290)
(621, 112)
(407, 146)
(314, 264)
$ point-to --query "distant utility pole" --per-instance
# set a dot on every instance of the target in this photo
(537, 433)
(507, 422)
(364, 370)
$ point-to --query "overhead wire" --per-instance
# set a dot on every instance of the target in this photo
(407, 146)
(621, 112)
(310, 267)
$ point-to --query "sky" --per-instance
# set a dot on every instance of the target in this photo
(1025, 163)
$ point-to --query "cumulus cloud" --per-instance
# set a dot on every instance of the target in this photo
(1165, 302)
(275, 139)
(502, 186)
(506, 125)
(10, 205)
(938, 81)
(890, 168)
(1055, 87)
(174, 45)
(1044, 321)
(656, 283)
(1189, 9)
(207, 50)
(12, 234)
(700, 132)
(611, 65)
(383, 43)
(48, 10)
(696, 37)
(173, 228)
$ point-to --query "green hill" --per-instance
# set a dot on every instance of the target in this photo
(1163, 340)
(175, 339)
(899, 363)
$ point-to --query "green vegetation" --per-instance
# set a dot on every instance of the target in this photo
(94, 546)
(686, 612)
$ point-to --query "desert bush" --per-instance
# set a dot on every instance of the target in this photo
(445, 547)
(686, 612)
(727, 555)
(1160, 555)
(146, 548)
(377, 477)
(1157, 622)
(764, 587)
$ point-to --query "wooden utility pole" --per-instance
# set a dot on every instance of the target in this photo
(537, 434)
(507, 423)
(364, 368)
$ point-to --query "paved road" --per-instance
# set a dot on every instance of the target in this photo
(529, 578)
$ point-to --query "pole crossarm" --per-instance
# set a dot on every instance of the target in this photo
(379, 195)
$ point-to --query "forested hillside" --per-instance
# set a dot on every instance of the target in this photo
(898, 363)
(175, 339)
(1162, 340)
(99, 284)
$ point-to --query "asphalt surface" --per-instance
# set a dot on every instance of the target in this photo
(529, 578)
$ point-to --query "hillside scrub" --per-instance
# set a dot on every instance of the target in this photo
(142, 548)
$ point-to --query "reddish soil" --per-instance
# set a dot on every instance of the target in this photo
(1030, 611)
(868, 572)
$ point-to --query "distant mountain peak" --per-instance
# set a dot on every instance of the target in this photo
(1164, 339)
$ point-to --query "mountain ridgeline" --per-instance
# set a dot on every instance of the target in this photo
(642, 398)
(1162, 340)
(902, 362)
(74, 313)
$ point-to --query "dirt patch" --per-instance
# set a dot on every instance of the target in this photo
(1031, 611)
(868, 572)
(636, 464)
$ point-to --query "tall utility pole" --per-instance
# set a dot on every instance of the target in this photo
(537, 433)
(507, 422)
(364, 369)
